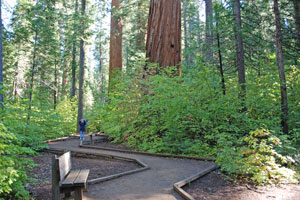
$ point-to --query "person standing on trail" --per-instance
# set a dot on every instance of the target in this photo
(83, 126)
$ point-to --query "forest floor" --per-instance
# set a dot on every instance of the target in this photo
(99, 167)
(214, 187)
(156, 183)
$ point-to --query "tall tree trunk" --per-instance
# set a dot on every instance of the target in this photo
(65, 76)
(16, 82)
(1, 62)
(32, 75)
(240, 52)
(101, 81)
(73, 89)
(115, 53)
(220, 59)
(141, 28)
(81, 70)
(55, 87)
(164, 33)
(185, 31)
(280, 65)
(208, 31)
(198, 30)
(297, 20)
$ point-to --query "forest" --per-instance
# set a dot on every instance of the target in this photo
(209, 78)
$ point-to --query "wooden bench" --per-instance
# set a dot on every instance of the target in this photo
(65, 180)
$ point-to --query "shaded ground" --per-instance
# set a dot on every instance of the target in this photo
(99, 167)
(214, 187)
(153, 184)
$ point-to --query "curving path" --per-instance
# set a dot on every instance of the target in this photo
(154, 184)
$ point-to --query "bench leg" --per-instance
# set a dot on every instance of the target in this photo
(86, 187)
(91, 139)
(78, 193)
(67, 195)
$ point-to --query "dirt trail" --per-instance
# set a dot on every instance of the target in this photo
(154, 184)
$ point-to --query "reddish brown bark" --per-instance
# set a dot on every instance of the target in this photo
(115, 60)
(164, 33)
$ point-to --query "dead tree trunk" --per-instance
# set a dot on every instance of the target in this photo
(280, 65)
(164, 33)
(240, 52)
(115, 53)
(81, 70)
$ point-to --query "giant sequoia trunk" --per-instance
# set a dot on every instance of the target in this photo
(164, 32)
(240, 52)
(81, 70)
(208, 31)
(115, 59)
(279, 57)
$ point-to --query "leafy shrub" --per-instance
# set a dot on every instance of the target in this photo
(257, 160)
(13, 166)
(20, 136)
(190, 115)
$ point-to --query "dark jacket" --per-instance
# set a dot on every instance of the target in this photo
(82, 124)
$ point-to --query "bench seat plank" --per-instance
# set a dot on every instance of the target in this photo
(69, 180)
(82, 178)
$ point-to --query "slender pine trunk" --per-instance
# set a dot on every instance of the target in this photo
(81, 70)
(280, 65)
(55, 87)
(32, 75)
(185, 31)
(208, 31)
(220, 60)
(1, 62)
(74, 51)
(297, 21)
(240, 53)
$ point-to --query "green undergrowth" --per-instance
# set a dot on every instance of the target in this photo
(20, 137)
(190, 115)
